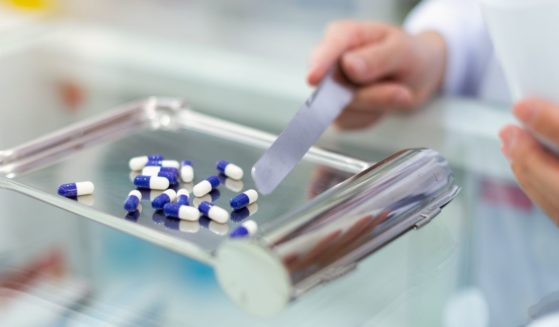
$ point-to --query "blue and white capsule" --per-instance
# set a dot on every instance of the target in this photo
(133, 200)
(72, 190)
(244, 199)
(151, 182)
(187, 172)
(205, 186)
(164, 163)
(182, 197)
(180, 211)
(230, 170)
(162, 199)
(248, 228)
(214, 212)
(138, 163)
(173, 179)
(154, 170)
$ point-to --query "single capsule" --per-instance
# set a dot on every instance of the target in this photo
(180, 211)
(137, 163)
(230, 170)
(243, 213)
(162, 199)
(154, 170)
(205, 186)
(133, 201)
(248, 228)
(72, 190)
(244, 199)
(151, 182)
(214, 227)
(187, 172)
(164, 163)
(182, 197)
(216, 213)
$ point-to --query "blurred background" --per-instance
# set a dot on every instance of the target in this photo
(245, 61)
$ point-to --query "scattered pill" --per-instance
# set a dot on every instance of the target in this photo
(162, 199)
(137, 163)
(243, 213)
(215, 213)
(154, 170)
(72, 190)
(229, 169)
(133, 201)
(248, 228)
(151, 182)
(187, 172)
(205, 186)
(181, 211)
(182, 197)
(244, 199)
(164, 163)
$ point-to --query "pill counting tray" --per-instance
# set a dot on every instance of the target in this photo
(331, 212)
(98, 150)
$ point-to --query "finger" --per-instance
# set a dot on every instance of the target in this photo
(339, 37)
(382, 97)
(535, 166)
(352, 119)
(539, 116)
(372, 62)
(535, 194)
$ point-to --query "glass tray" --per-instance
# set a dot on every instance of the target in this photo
(98, 150)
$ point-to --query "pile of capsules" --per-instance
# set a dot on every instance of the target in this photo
(155, 173)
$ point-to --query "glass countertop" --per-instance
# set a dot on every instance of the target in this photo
(487, 260)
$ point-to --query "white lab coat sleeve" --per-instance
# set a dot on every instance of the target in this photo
(469, 50)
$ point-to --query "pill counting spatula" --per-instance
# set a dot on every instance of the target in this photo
(331, 96)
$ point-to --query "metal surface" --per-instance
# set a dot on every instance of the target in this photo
(98, 150)
(328, 237)
(315, 116)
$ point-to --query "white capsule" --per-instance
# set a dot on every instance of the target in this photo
(229, 169)
(189, 213)
(189, 226)
(183, 191)
(137, 163)
(187, 172)
(214, 212)
(158, 183)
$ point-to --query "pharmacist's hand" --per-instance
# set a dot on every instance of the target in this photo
(536, 169)
(393, 71)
